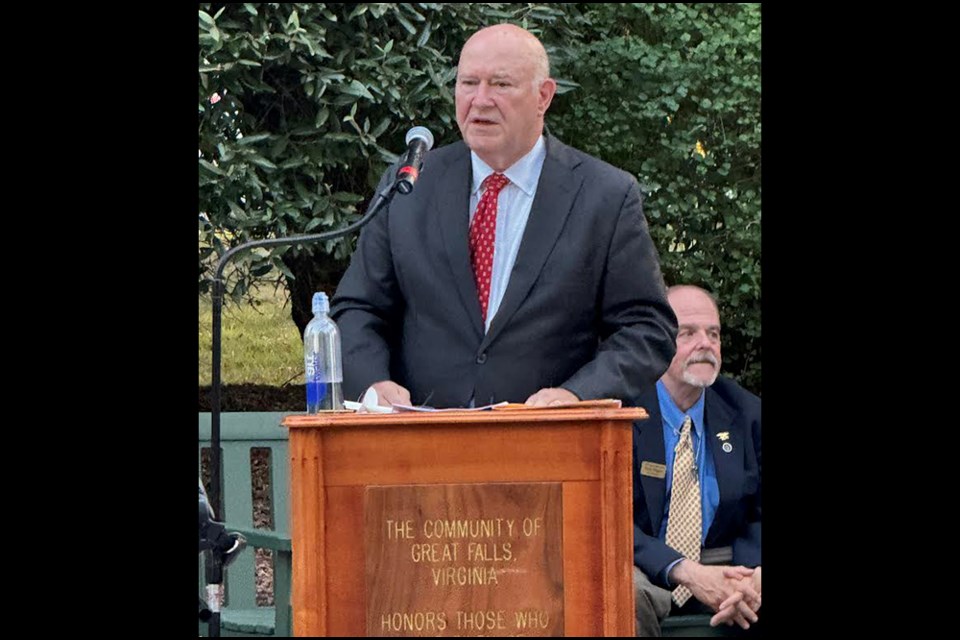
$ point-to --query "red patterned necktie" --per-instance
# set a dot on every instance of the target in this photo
(483, 231)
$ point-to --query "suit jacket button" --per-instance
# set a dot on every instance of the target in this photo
(482, 357)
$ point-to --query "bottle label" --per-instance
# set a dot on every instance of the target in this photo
(322, 393)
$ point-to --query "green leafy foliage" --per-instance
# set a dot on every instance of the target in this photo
(671, 94)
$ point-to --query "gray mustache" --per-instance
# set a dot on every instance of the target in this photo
(702, 357)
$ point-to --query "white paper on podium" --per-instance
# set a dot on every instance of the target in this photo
(406, 407)
(369, 404)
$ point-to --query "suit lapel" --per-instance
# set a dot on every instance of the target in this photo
(650, 449)
(452, 205)
(552, 204)
(719, 418)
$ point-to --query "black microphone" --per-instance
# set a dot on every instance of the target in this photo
(419, 141)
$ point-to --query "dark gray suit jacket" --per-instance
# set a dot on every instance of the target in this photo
(585, 307)
(729, 408)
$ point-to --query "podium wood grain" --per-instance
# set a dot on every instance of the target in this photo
(336, 457)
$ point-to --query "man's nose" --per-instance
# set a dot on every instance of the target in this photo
(704, 343)
(484, 93)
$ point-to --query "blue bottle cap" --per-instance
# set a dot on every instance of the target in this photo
(321, 305)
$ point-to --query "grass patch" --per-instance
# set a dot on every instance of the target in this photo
(260, 344)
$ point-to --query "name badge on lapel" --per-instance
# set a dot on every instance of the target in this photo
(653, 469)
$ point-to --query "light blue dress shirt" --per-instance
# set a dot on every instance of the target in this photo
(513, 210)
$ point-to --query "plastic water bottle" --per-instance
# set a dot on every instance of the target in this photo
(321, 358)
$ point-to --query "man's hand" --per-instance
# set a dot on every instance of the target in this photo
(746, 601)
(721, 588)
(551, 396)
(756, 580)
(389, 392)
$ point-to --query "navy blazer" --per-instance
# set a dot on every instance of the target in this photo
(585, 307)
(727, 407)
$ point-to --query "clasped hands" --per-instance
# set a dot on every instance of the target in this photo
(733, 592)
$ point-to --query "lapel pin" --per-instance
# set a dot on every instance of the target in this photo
(727, 447)
(724, 436)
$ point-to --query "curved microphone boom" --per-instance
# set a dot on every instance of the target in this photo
(419, 141)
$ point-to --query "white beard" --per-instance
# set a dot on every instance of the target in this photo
(695, 381)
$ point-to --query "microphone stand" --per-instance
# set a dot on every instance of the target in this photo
(214, 569)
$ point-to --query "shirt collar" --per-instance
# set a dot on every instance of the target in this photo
(673, 416)
(524, 173)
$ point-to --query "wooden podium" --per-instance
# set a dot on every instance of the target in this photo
(497, 523)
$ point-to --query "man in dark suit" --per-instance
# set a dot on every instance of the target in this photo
(721, 570)
(518, 269)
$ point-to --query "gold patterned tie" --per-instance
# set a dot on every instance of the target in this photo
(684, 523)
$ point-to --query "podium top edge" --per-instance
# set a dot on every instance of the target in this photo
(514, 416)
